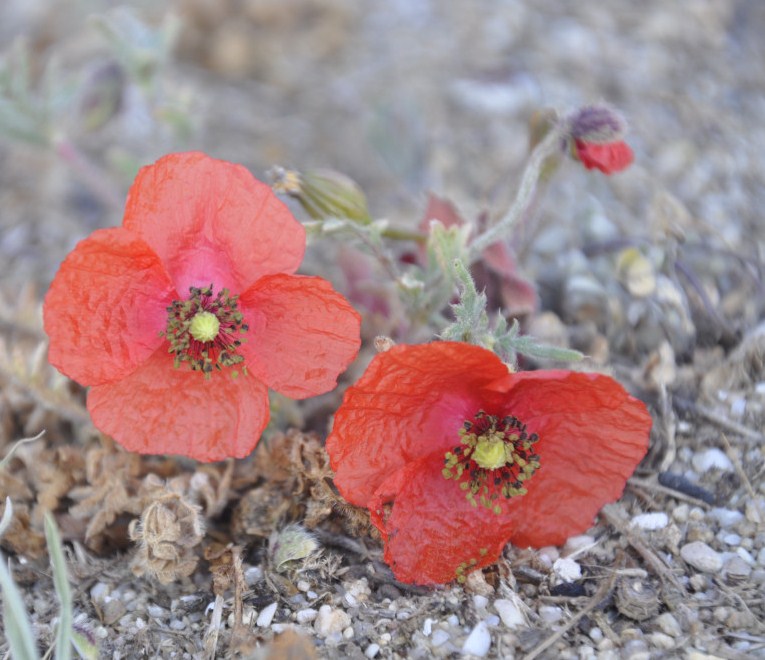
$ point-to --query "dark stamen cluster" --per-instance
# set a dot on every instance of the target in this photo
(507, 479)
(206, 356)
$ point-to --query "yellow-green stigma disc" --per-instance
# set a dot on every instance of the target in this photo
(490, 451)
(204, 326)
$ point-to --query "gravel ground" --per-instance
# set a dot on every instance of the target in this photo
(409, 96)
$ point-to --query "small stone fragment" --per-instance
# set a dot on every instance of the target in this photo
(440, 636)
(478, 641)
(329, 621)
(701, 557)
(510, 612)
(266, 616)
(651, 521)
(567, 569)
(372, 650)
(669, 625)
(711, 458)
(736, 570)
(306, 616)
(550, 613)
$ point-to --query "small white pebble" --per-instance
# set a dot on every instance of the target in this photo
(480, 602)
(711, 458)
(385, 638)
(372, 650)
(596, 634)
(492, 620)
(567, 569)
(669, 625)
(329, 621)
(155, 611)
(549, 554)
(266, 616)
(550, 613)
(510, 612)
(427, 627)
(348, 633)
(350, 600)
(651, 521)
(701, 557)
(303, 585)
(453, 620)
(140, 623)
(478, 642)
(680, 513)
(661, 641)
(738, 407)
(312, 595)
(440, 636)
(725, 517)
(577, 543)
(177, 624)
(253, 575)
(306, 616)
(731, 539)
(760, 388)
(99, 591)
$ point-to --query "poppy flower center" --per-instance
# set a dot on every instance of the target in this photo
(494, 460)
(205, 330)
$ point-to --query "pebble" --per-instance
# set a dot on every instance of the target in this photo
(701, 557)
(709, 459)
(329, 621)
(731, 539)
(427, 627)
(680, 513)
(480, 602)
(550, 613)
(440, 636)
(669, 625)
(303, 585)
(478, 641)
(595, 634)
(736, 570)
(651, 521)
(155, 611)
(725, 517)
(253, 575)
(577, 543)
(567, 569)
(176, 624)
(266, 616)
(661, 641)
(307, 615)
(372, 650)
(510, 612)
(99, 591)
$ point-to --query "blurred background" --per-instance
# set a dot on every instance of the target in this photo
(406, 96)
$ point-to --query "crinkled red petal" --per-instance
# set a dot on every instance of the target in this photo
(302, 334)
(106, 307)
(212, 222)
(608, 157)
(429, 528)
(159, 409)
(592, 435)
(410, 402)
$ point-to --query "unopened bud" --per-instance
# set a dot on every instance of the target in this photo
(323, 193)
(102, 96)
(597, 124)
(290, 546)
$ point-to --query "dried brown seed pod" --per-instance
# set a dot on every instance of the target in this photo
(169, 529)
(636, 598)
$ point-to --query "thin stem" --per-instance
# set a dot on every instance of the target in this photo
(525, 195)
(397, 234)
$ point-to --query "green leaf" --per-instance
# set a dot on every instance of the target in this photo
(63, 590)
(18, 629)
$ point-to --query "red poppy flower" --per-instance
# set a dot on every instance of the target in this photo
(454, 455)
(182, 318)
(608, 157)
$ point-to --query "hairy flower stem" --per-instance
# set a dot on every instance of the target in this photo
(525, 196)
